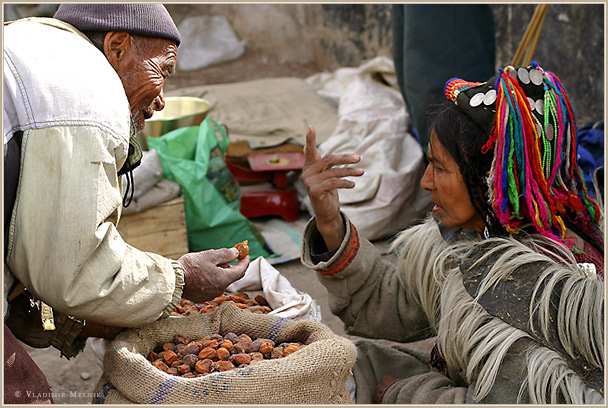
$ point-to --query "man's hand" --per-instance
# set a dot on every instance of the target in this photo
(93, 329)
(322, 179)
(208, 273)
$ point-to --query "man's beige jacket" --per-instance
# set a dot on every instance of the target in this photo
(63, 246)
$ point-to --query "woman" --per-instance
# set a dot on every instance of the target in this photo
(507, 271)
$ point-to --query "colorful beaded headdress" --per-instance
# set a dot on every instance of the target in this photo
(531, 127)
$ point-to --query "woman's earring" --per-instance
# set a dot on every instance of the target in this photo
(486, 231)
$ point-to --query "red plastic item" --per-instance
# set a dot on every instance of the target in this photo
(283, 203)
(245, 175)
(258, 197)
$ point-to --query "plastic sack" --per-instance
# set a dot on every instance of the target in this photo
(194, 158)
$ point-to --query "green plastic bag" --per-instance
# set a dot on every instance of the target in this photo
(193, 157)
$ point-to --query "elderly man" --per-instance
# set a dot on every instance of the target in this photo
(77, 88)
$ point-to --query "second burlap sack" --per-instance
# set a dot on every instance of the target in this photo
(316, 374)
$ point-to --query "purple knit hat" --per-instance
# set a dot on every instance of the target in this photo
(149, 20)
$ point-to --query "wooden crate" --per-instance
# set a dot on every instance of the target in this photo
(161, 229)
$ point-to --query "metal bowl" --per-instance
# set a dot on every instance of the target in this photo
(179, 112)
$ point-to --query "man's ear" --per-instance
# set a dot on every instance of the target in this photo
(115, 46)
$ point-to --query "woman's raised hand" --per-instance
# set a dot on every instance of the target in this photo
(322, 179)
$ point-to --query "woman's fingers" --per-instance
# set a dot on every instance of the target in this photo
(311, 155)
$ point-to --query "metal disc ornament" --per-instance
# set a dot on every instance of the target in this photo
(539, 128)
(523, 75)
(476, 100)
(490, 97)
(536, 76)
(531, 102)
(549, 132)
(540, 106)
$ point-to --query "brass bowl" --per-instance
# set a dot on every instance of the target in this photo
(179, 112)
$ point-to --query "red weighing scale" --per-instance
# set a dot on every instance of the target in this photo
(264, 188)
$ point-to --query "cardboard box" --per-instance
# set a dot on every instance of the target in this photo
(161, 229)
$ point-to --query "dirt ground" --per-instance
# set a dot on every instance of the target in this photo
(250, 66)
(73, 381)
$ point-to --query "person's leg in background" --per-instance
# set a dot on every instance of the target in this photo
(433, 43)
(24, 382)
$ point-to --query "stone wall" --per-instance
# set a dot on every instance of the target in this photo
(571, 45)
(331, 36)
(335, 35)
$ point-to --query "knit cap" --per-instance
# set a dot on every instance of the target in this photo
(149, 20)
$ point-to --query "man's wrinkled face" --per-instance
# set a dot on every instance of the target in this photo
(143, 64)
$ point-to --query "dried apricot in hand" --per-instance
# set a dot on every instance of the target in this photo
(243, 249)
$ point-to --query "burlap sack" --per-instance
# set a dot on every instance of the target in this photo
(316, 374)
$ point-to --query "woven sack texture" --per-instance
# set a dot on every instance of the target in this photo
(316, 374)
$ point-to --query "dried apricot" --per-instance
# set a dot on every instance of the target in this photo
(160, 365)
(291, 348)
(190, 359)
(210, 343)
(221, 366)
(232, 337)
(277, 353)
(169, 356)
(222, 353)
(184, 368)
(261, 300)
(169, 346)
(207, 352)
(241, 358)
(266, 349)
(243, 248)
(192, 348)
(203, 366)
(181, 339)
(256, 356)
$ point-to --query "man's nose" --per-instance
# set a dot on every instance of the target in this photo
(159, 102)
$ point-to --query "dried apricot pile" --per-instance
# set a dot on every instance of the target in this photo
(259, 304)
(214, 353)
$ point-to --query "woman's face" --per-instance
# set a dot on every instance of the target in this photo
(448, 190)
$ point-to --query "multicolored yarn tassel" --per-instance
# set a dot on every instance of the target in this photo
(534, 175)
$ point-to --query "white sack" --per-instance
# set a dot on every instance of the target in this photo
(373, 123)
(331, 85)
(207, 40)
(163, 191)
(261, 278)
